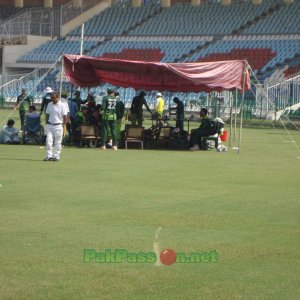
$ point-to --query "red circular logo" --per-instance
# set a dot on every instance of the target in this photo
(168, 257)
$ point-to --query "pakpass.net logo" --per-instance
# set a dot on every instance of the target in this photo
(166, 257)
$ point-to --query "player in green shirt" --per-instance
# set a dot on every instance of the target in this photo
(23, 102)
(109, 117)
(205, 129)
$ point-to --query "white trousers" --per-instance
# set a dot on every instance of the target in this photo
(54, 138)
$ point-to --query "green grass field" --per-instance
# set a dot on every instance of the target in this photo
(245, 207)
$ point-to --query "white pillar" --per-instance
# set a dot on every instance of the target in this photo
(48, 3)
(257, 2)
(77, 3)
(165, 3)
(136, 3)
(226, 2)
(195, 2)
(19, 3)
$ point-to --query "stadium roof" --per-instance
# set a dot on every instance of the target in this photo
(88, 71)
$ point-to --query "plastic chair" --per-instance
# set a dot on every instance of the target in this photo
(134, 134)
(33, 130)
(88, 134)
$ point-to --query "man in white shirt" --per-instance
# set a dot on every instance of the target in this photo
(57, 118)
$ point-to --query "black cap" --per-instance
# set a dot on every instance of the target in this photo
(204, 110)
(110, 91)
(10, 122)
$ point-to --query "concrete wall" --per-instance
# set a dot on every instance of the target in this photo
(12, 53)
(165, 3)
(19, 3)
(136, 3)
(84, 17)
(48, 3)
(226, 2)
(195, 2)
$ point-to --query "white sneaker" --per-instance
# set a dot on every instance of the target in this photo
(115, 148)
(102, 148)
(195, 147)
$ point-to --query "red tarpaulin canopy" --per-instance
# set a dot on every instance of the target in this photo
(86, 71)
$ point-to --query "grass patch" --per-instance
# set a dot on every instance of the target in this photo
(245, 207)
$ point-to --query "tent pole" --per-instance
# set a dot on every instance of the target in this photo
(230, 132)
(235, 110)
(61, 75)
(242, 106)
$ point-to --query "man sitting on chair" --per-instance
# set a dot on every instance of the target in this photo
(33, 127)
(32, 112)
(205, 129)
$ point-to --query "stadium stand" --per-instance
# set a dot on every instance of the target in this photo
(144, 24)
(50, 51)
(184, 19)
(294, 69)
(262, 52)
(284, 20)
(164, 49)
(267, 35)
(117, 19)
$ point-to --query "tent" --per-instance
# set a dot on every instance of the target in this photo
(86, 71)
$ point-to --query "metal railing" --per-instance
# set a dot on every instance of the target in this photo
(70, 10)
(284, 94)
(42, 22)
(11, 89)
(5, 78)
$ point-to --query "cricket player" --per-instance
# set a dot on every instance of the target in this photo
(23, 102)
(57, 118)
(109, 119)
(159, 107)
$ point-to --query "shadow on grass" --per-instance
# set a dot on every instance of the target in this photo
(21, 159)
(273, 133)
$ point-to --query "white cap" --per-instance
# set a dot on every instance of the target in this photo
(48, 89)
(158, 95)
(219, 120)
